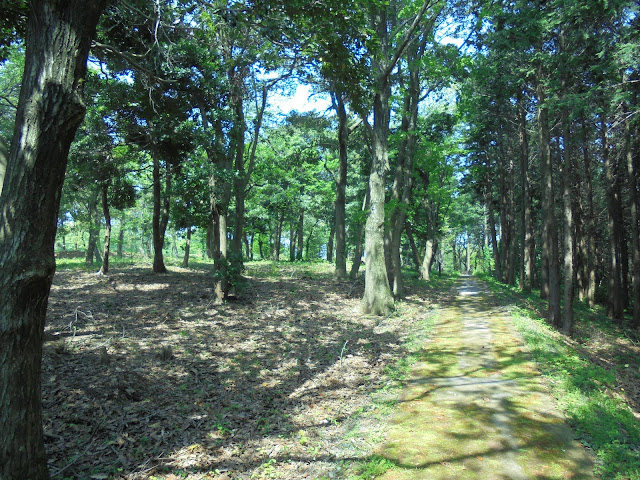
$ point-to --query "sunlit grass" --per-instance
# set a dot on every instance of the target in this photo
(587, 393)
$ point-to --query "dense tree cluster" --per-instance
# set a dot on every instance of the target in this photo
(532, 172)
(552, 104)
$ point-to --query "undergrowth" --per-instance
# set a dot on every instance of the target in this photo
(587, 393)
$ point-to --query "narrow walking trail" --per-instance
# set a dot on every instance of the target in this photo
(475, 407)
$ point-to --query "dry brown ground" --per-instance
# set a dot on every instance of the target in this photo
(145, 378)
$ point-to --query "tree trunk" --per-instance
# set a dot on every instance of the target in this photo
(121, 235)
(50, 109)
(187, 249)
(527, 254)
(357, 251)
(301, 235)
(492, 234)
(550, 232)
(468, 255)
(92, 220)
(590, 293)
(615, 305)
(107, 234)
(158, 231)
(377, 298)
(292, 242)
(567, 321)
(632, 147)
(332, 233)
(341, 186)
(412, 244)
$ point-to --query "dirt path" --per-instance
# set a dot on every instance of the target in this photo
(475, 406)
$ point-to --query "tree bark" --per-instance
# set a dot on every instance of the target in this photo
(357, 251)
(330, 244)
(300, 233)
(632, 147)
(104, 269)
(187, 249)
(527, 254)
(615, 305)
(550, 233)
(429, 251)
(567, 320)
(121, 235)
(415, 255)
(50, 109)
(92, 214)
(160, 214)
(341, 186)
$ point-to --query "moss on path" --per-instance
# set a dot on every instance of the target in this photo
(475, 406)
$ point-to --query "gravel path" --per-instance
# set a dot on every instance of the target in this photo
(475, 406)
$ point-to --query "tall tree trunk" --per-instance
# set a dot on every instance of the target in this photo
(415, 255)
(50, 109)
(567, 321)
(550, 231)
(632, 147)
(332, 234)
(615, 306)
(590, 293)
(277, 237)
(292, 241)
(468, 254)
(107, 234)
(123, 220)
(492, 233)
(403, 181)
(92, 221)
(429, 254)
(300, 235)
(187, 249)
(527, 254)
(158, 233)
(357, 251)
(341, 186)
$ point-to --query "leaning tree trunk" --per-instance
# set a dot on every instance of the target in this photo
(107, 234)
(50, 109)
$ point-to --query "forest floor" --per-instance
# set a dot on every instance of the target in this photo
(144, 377)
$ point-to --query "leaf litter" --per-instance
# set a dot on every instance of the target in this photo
(144, 377)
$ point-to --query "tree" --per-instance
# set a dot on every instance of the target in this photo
(49, 111)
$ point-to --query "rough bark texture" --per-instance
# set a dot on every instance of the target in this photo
(615, 306)
(49, 112)
(160, 216)
(526, 226)
(567, 320)
(550, 233)
(632, 149)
